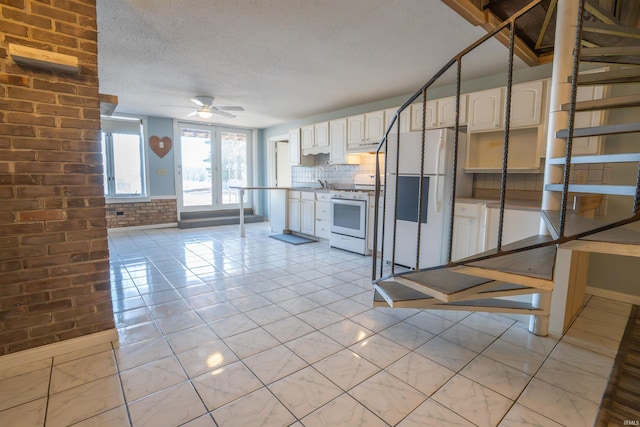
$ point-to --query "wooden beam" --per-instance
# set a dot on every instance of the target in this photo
(521, 50)
(38, 58)
(467, 10)
(545, 23)
(108, 104)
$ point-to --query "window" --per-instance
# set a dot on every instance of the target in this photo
(123, 157)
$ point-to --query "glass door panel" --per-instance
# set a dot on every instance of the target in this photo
(196, 152)
(233, 165)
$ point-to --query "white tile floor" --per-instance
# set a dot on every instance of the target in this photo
(219, 330)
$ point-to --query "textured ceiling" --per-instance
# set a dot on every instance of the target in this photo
(281, 60)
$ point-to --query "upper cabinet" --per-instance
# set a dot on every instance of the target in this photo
(315, 138)
(405, 117)
(365, 131)
(306, 137)
(338, 138)
(485, 110)
(430, 115)
(295, 154)
(447, 111)
(526, 104)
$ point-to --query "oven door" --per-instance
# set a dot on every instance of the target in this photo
(349, 217)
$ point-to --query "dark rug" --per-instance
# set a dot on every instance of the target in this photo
(292, 239)
(621, 402)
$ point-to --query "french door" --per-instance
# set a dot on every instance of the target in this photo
(210, 160)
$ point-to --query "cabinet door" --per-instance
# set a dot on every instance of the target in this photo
(374, 126)
(526, 104)
(430, 117)
(405, 120)
(485, 110)
(307, 217)
(294, 146)
(321, 134)
(466, 230)
(294, 215)
(307, 137)
(584, 119)
(518, 225)
(338, 141)
(447, 111)
(355, 130)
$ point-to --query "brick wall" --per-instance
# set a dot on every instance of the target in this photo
(54, 259)
(160, 211)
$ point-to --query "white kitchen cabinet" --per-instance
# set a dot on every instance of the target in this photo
(370, 222)
(468, 230)
(338, 138)
(446, 116)
(307, 212)
(430, 116)
(307, 137)
(295, 153)
(485, 110)
(321, 133)
(485, 150)
(518, 224)
(526, 104)
(590, 145)
(293, 203)
(365, 131)
(405, 120)
(315, 138)
(323, 215)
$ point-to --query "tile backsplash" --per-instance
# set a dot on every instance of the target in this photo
(334, 174)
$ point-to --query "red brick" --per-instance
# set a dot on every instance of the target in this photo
(36, 143)
(39, 191)
(26, 18)
(58, 110)
(57, 87)
(53, 37)
(50, 12)
(12, 79)
(13, 336)
(28, 322)
(14, 3)
(89, 190)
(67, 225)
(42, 215)
(31, 95)
(78, 101)
(10, 266)
(78, 32)
(39, 331)
(83, 168)
(47, 284)
(63, 180)
(30, 119)
(15, 105)
(17, 130)
(6, 193)
(8, 229)
(46, 261)
(24, 300)
(65, 248)
(73, 313)
(59, 156)
(49, 307)
(8, 242)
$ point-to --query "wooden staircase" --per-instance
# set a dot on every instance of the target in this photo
(481, 282)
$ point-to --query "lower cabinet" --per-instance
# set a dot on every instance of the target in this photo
(468, 230)
(293, 211)
(370, 223)
(301, 212)
(323, 215)
(518, 224)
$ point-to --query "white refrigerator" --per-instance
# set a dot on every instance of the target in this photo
(436, 190)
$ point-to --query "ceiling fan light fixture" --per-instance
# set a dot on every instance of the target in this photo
(204, 114)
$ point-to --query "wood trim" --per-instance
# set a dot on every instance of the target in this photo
(39, 58)
(613, 295)
(518, 279)
(624, 249)
(467, 10)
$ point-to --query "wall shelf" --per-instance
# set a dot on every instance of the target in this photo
(38, 58)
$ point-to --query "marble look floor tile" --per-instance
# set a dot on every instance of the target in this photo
(178, 322)
(594, 343)
(147, 379)
(421, 373)
(407, 335)
(288, 329)
(597, 327)
(188, 339)
(515, 356)
(28, 414)
(138, 333)
(257, 409)
(269, 314)
(429, 322)
(344, 411)
(84, 401)
(320, 317)
(275, 363)
(133, 355)
(170, 407)
(346, 369)
(613, 319)
(116, 417)
(304, 391)
(279, 295)
(446, 353)
(453, 315)
(467, 337)
(225, 385)
(347, 307)
(314, 346)
(298, 305)
(81, 371)
(251, 302)
(379, 350)
(574, 380)
(251, 342)
(169, 309)
(325, 296)
(432, 414)
(206, 358)
(85, 352)
(584, 359)
(156, 298)
(559, 405)
(217, 311)
(347, 332)
(24, 388)
(501, 378)
(524, 338)
(24, 368)
(202, 421)
(232, 325)
(374, 320)
(520, 416)
(388, 397)
(473, 401)
(489, 325)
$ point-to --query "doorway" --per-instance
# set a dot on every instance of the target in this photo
(283, 165)
(210, 160)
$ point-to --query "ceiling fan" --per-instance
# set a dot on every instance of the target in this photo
(207, 109)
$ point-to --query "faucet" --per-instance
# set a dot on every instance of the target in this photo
(326, 184)
(322, 185)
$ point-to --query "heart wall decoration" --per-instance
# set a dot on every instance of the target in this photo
(160, 146)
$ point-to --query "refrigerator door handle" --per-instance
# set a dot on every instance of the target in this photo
(438, 195)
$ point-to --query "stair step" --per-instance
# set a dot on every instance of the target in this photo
(611, 30)
(600, 130)
(486, 305)
(443, 284)
(215, 221)
(397, 295)
(619, 240)
(625, 75)
(610, 51)
(617, 190)
(528, 267)
(605, 103)
(601, 158)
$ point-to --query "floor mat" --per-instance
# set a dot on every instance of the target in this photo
(292, 239)
(621, 402)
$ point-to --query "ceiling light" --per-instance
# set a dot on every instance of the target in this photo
(204, 114)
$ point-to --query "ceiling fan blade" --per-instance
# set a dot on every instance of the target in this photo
(193, 113)
(229, 108)
(223, 113)
(197, 102)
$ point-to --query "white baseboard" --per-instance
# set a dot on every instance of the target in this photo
(57, 348)
(142, 227)
(613, 295)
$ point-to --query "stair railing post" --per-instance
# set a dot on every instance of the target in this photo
(636, 199)
(454, 166)
(376, 204)
(395, 200)
(421, 177)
